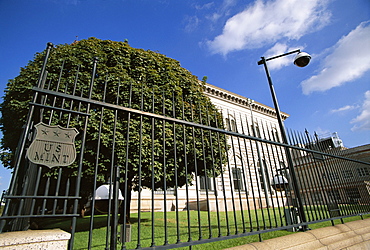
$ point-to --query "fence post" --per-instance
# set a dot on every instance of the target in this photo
(114, 229)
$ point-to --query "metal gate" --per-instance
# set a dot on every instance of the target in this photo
(236, 180)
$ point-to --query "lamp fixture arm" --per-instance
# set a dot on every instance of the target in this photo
(274, 57)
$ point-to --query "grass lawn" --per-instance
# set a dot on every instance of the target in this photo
(202, 225)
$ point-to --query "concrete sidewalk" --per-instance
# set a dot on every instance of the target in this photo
(353, 235)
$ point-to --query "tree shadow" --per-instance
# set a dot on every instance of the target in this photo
(82, 224)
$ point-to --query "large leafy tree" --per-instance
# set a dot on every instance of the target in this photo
(138, 79)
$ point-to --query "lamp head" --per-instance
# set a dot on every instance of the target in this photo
(302, 59)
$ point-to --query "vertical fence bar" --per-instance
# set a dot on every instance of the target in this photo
(186, 173)
(267, 161)
(81, 157)
(114, 231)
(196, 173)
(237, 175)
(213, 171)
(204, 153)
(152, 172)
(244, 181)
(261, 165)
(317, 183)
(96, 167)
(113, 200)
(249, 174)
(57, 89)
(230, 177)
(138, 246)
(126, 195)
(255, 198)
(164, 172)
(303, 173)
(221, 156)
(178, 240)
(272, 162)
(38, 178)
(21, 145)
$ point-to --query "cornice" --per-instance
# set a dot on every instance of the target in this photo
(241, 101)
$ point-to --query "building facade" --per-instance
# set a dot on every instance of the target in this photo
(341, 182)
(251, 165)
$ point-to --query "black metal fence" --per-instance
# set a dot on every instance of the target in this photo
(169, 173)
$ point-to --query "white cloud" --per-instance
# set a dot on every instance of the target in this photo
(268, 22)
(204, 6)
(211, 11)
(221, 10)
(362, 121)
(349, 60)
(342, 109)
(192, 23)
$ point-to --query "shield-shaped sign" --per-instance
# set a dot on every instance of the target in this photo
(53, 146)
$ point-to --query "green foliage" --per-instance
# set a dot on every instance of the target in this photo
(137, 79)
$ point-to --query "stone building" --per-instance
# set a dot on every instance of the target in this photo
(343, 181)
(246, 181)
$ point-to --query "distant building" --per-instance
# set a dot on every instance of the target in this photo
(342, 182)
(327, 142)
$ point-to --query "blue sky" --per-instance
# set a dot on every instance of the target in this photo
(222, 40)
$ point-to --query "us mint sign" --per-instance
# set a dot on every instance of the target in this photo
(53, 146)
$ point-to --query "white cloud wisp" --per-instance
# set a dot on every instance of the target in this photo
(265, 23)
(343, 109)
(349, 60)
(362, 121)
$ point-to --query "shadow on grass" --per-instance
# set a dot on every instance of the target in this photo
(82, 224)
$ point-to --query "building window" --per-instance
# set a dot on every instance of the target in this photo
(317, 197)
(255, 130)
(238, 179)
(362, 172)
(347, 174)
(333, 195)
(331, 176)
(353, 195)
(206, 183)
(275, 135)
(264, 177)
(168, 191)
(231, 124)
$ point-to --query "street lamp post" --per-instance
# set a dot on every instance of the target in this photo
(301, 60)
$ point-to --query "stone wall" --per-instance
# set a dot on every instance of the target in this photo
(54, 239)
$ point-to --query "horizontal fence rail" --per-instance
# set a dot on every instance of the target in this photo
(159, 170)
